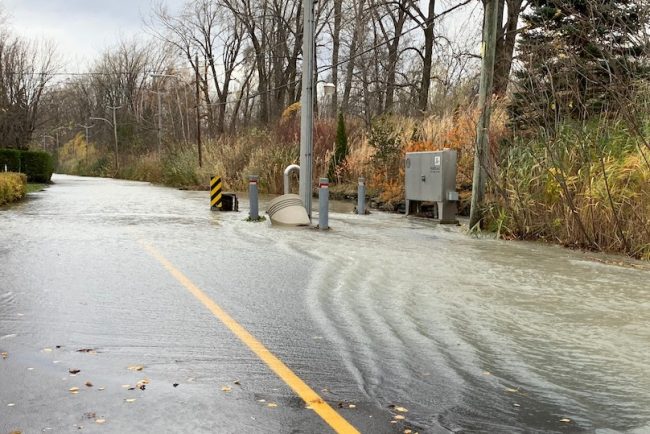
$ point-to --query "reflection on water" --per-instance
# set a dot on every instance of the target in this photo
(473, 334)
(482, 334)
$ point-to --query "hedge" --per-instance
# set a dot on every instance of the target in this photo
(12, 187)
(10, 158)
(37, 165)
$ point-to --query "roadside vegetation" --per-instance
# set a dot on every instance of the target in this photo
(569, 139)
(13, 187)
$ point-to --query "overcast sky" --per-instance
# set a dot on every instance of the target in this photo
(81, 29)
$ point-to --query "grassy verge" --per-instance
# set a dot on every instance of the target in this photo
(34, 187)
(13, 187)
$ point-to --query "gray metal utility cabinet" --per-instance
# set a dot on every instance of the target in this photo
(431, 177)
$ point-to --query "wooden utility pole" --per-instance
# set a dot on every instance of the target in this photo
(488, 53)
(198, 110)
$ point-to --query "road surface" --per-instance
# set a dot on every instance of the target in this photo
(179, 319)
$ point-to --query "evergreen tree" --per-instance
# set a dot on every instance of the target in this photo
(579, 58)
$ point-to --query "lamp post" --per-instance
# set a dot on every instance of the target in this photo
(87, 136)
(114, 125)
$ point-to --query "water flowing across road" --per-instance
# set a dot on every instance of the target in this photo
(469, 334)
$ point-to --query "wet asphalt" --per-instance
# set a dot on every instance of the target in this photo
(381, 314)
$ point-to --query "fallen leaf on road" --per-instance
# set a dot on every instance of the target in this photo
(237, 383)
(407, 431)
(100, 421)
(101, 388)
(86, 350)
(90, 415)
(126, 386)
(272, 404)
(5, 355)
(74, 390)
(486, 373)
(309, 407)
(401, 409)
(175, 384)
(226, 388)
(89, 384)
(393, 421)
(74, 371)
(352, 406)
(516, 405)
(261, 400)
(47, 350)
(511, 390)
(135, 368)
(129, 400)
(398, 417)
(565, 420)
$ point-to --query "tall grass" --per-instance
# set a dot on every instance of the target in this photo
(586, 186)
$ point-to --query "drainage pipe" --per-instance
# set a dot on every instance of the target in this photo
(287, 172)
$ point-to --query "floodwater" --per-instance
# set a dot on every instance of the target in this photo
(470, 335)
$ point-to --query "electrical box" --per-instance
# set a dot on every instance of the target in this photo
(431, 177)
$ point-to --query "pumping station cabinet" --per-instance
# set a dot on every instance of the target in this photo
(431, 177)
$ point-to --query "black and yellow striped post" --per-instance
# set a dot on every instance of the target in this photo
(215, 192)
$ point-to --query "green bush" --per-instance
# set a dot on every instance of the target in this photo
(37, 165)
(10, 158)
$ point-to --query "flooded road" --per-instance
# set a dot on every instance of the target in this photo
(381, 313)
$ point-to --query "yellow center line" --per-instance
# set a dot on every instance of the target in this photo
(323, 409)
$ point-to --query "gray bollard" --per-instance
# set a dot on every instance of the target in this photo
(323, 199)
(361, 192)
(253, 199)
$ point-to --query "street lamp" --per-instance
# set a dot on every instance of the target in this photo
(114, 125)
(86, 127)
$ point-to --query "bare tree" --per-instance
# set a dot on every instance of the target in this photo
(26, 68)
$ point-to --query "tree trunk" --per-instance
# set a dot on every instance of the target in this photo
(505, 48)
(336, 44)
(425, 83)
